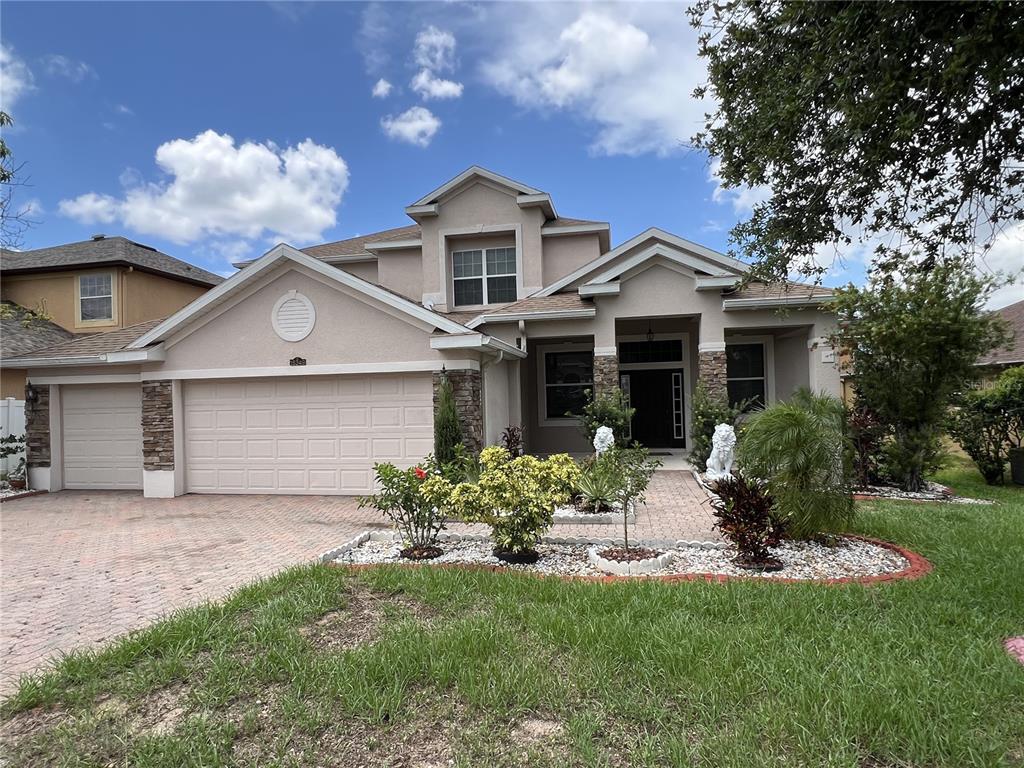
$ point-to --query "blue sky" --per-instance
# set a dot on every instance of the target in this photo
(212, 130)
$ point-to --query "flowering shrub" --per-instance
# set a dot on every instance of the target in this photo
(516, 496)
(401, 500)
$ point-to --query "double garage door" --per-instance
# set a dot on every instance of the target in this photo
(304, 435)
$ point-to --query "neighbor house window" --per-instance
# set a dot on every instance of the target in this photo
(567, 377)
(486, 276)
(745, 373)
(96, 297)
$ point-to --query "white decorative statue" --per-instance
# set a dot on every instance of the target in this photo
(723, 445)
(604, 439)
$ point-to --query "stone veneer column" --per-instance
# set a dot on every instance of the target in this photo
(606, 374)
(157, 425)
(468, 391)
(711, 371)
(37, 428)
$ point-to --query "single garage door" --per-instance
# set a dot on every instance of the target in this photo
(312, 435)
(102, 427)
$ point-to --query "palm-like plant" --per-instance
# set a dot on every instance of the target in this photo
(799, 449)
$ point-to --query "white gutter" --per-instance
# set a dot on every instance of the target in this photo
(119, 357)
(717, 282)
(573, 229)
(776, 301)
(510, 317)
(393, 245)
(599, 289)
(476, 341)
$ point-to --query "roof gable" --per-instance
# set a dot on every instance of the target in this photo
(207, 303)
(476, 172)
(662, 245)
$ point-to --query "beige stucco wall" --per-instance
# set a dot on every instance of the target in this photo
(138, 296)
(348, 329)
(402, 272)
(12, 383)
(566, 253)
(147, 297)
(367, 270)
(476, 207)
(791, 364)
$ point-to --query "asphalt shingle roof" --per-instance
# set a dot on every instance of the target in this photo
(778, 291)
(108, 250)
(1013, 352)
(21, 332)
(556, 303)
(95, 344)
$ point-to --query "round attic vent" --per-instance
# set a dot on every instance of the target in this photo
(293, 316)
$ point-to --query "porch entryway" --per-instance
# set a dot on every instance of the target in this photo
(659, 397)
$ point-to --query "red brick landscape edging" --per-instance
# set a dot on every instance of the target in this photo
(917, 567)
(25, 495)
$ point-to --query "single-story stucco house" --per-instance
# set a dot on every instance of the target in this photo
(305, 367)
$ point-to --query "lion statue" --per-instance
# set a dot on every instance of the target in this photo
(723, 446)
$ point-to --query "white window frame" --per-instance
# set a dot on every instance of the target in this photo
(542, 385)
(768, 342)
(484, 274)
(112, 320)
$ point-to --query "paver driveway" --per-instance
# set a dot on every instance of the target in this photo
(81, 567)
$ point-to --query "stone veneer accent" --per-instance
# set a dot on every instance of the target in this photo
(157, 425)
(466, 386)
(37, 428)
(606, 374)
(711, 372)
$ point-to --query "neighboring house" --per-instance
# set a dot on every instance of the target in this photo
(21, 332)
(88, 287)
(998, 360)
(303, 369)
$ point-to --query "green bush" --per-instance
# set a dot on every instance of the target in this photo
(598, 483)
(447, 428)
(609, 409)
(800, 449)
(987, 423)
(706, 412)
(401, 501)
(515, 496)
(1011, 387)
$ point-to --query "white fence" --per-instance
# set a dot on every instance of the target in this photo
(12, 422)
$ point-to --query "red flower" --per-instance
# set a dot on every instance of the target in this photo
(420, 473)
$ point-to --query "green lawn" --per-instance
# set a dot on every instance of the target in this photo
(419, 668)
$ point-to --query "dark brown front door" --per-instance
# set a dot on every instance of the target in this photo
(657, 395)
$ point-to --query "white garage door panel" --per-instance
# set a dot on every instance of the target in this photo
(304, 435)
(102, 428)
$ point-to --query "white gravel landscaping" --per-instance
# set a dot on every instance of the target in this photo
(851, 558)
(6, 492)
(932, 492)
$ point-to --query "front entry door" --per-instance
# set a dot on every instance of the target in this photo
(657, 395)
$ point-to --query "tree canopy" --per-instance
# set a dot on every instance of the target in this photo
(895, 119)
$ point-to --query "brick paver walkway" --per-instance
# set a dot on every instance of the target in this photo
(78, 568)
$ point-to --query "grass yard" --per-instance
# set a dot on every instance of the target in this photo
(399, 667)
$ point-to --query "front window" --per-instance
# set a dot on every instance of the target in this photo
(745, 374)
(567, 377)
(96, 297)
(485, 276)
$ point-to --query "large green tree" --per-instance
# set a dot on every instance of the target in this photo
(899, 119)
(914, 343)
(13, 221)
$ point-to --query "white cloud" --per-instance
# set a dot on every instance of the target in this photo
(61, 66)
(429, 86)
(434, 49)
(628, 68)
(123, 109)
(15, 78)
(381, 89)
(217, 189)
(416, 125)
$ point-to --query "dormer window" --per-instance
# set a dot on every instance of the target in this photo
(484, 276)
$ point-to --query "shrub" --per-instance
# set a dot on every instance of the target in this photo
(982, 428)
(598, 483)
(867, 438)
(744, 514)
(512, 440)
(447, 429)
(401, 500)
(635, 469)
(609, 409)
(800, 450)
(1011, 388)
(516, 496)
(707, 412)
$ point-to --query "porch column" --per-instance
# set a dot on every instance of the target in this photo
(711, 367)
(38, 436)
(158, 439)
(468, 391)
(606, 371)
